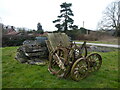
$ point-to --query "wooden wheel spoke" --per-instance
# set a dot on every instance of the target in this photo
(95, 61)
(56, 65)
(80, 52)
(79, 69)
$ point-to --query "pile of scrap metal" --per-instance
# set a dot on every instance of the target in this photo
(33, 51)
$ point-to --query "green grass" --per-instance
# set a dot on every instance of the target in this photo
(17, 75)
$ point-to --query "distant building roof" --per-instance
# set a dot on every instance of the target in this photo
(42, 34)
(12, 33)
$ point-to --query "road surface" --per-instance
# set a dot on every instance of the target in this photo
(99, 44)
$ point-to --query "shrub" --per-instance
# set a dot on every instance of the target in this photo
(9, 40)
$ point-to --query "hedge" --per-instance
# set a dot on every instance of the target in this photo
(14, 40)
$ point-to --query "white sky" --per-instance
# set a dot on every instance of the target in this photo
(27, 13)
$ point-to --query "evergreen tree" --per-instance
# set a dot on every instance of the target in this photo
(39, 28)
(74, 27)
(64, 21)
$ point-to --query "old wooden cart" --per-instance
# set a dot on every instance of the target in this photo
(66, 59)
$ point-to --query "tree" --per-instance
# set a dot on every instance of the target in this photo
(13, 28)
(64, 20)
(74, 27)
(22, 31)
(39, 28)
(59, 27)
(110, 18)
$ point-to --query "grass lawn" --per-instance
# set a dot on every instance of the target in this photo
(17, 75)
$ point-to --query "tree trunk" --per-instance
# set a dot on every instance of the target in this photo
(66, 28)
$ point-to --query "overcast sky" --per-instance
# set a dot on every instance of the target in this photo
(27, 13)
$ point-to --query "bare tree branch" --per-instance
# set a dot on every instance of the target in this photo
(110, 17)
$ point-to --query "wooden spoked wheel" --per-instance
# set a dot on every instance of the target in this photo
(56, 62)
(80, 52)
(79, 69)
(94, 61)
